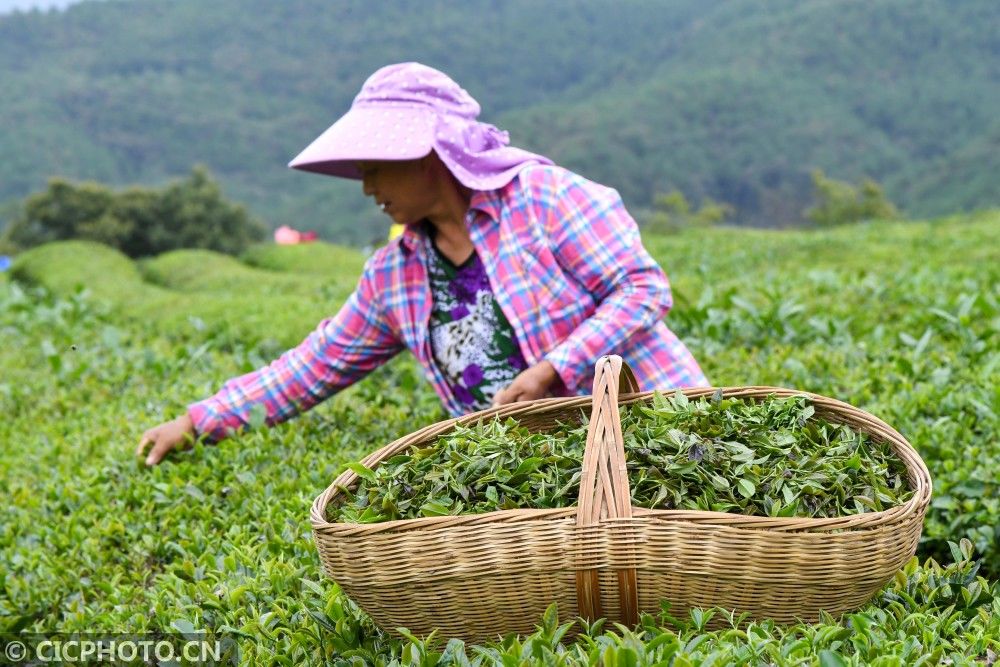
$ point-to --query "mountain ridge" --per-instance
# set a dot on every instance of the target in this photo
(736, 101)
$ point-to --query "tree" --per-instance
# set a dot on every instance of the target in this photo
(672, 213)
(839, 203)
(191, 213)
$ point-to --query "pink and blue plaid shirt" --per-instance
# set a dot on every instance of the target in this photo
(567, 267)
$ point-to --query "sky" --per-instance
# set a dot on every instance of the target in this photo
(7, 6)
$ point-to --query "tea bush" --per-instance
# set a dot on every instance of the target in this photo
(900, 319)
(199, 294)
(308, 258)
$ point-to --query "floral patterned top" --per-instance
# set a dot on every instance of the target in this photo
(472, 341)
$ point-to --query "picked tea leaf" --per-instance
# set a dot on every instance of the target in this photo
(772, 457)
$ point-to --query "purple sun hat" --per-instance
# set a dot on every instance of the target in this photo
(405, 111)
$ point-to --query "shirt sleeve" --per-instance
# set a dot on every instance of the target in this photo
(596, 241)
(339, 352)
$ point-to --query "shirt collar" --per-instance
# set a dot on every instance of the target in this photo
(487, 201)
(410, 237)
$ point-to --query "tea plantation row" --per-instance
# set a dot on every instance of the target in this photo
(901, 319)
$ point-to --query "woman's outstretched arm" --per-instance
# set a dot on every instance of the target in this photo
(339, 352)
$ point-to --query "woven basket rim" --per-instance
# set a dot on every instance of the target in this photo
(918, 475)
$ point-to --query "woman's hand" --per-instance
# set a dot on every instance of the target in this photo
(165, 437)
(529, 385)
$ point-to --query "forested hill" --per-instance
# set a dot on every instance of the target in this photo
(735, 100)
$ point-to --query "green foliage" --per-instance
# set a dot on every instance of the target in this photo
(768, 458)
(194, 294)
(323, 259)
(139, 221)
(772, 458)
(66, 267)
(195, 271)
(879, 315)
(838, 203)
(672, 213)
(730, 100)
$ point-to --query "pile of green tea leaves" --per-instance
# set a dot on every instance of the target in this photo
(769, 458)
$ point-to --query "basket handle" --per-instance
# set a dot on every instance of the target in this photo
(604, 489)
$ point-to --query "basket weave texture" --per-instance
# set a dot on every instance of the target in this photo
(479, 576)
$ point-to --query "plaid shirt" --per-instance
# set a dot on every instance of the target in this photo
(567, 267)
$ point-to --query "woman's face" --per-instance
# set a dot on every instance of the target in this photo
(404, 189)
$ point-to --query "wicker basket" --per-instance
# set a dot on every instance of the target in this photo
(480, 576)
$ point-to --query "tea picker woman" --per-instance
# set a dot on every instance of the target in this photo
(511, 278)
